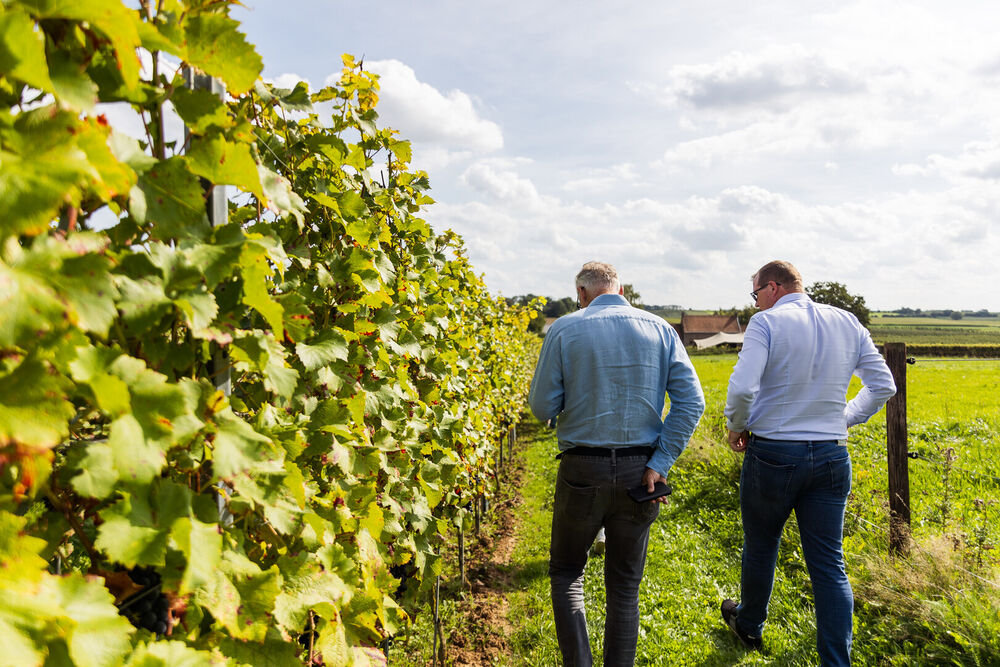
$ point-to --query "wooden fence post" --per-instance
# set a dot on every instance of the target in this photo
(895, 432)
(461, 557)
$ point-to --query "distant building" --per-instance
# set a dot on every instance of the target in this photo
(697, 327)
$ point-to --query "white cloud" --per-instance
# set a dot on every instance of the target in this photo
(978, 161)
(603, 180)
(424, 114)
(773, 79)
(500, 182)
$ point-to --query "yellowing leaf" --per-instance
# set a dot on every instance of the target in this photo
(22, 50)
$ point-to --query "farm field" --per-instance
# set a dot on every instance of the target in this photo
(935, 330)
(940, 605)
(965, 322)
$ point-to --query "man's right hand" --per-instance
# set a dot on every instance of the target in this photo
(649, 479)
(738, 440)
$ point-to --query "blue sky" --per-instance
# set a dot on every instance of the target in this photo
(687, 142)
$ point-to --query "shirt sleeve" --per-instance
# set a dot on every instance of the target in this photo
(876, 377)
(546, 394)
(744, 383)
(687, 403)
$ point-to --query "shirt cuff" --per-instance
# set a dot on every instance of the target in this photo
(661, 462)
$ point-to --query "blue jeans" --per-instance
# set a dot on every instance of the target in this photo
(814, 479)
(591, 492)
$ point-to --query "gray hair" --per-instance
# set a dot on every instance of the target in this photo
(598, 277)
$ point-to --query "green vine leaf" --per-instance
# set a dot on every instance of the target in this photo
(129, 544)
(215, 45)
(172, 201)
(168, 654)
(201, 545)
(22, 50)
(34, 409)
(222, 162)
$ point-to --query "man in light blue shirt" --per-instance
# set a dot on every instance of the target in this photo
(789, 391)
(604, 370)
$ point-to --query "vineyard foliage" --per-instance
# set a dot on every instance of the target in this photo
(373, 375)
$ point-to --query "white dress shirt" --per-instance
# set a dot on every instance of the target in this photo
(791, 380)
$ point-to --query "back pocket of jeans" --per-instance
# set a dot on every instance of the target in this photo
(770, 480)
(573, 499)
(840, 475)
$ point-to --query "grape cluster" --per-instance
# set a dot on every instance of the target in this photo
(149, 608)
(405, 573)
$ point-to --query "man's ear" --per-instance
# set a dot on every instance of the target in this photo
(621, 290)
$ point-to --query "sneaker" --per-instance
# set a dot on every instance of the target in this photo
(597, 548)
(729, 616)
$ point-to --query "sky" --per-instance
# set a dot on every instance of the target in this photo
(687, 143)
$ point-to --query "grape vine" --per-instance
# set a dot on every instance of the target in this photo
(373, 374)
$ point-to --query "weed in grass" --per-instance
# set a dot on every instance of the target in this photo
(980, 539)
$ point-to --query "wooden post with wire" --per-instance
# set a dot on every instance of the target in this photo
(896, 441)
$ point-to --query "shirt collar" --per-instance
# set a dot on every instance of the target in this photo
(793, 296)
(609, 300)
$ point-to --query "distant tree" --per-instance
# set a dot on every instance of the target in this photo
(559, 307)
(631, 295)
(956, 314)
(836, 294)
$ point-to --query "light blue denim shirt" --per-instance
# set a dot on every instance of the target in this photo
(604, 371)
(790, 382)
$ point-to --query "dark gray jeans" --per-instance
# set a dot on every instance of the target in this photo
(591, 492)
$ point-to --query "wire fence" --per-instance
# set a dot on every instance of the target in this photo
(951, 467)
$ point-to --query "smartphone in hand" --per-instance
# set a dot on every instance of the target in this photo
(640, 494)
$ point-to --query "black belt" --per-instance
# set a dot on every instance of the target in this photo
(607, 452)
(757, 438)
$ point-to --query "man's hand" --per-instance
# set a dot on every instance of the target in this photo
(738, 441)
(649, 479)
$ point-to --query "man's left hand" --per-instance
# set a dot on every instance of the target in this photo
(738, 440)
(649, 479)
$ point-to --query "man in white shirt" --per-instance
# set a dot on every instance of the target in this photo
(787, 409)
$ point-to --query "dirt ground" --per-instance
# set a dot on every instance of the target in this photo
(482, 638)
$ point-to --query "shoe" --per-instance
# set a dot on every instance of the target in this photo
(597, 548)
(729, 616)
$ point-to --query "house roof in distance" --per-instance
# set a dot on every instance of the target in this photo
(693, 324)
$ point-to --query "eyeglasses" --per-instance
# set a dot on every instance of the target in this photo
(753, 294)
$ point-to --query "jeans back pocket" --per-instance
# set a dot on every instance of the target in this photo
(840, 475)
(768, 479)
